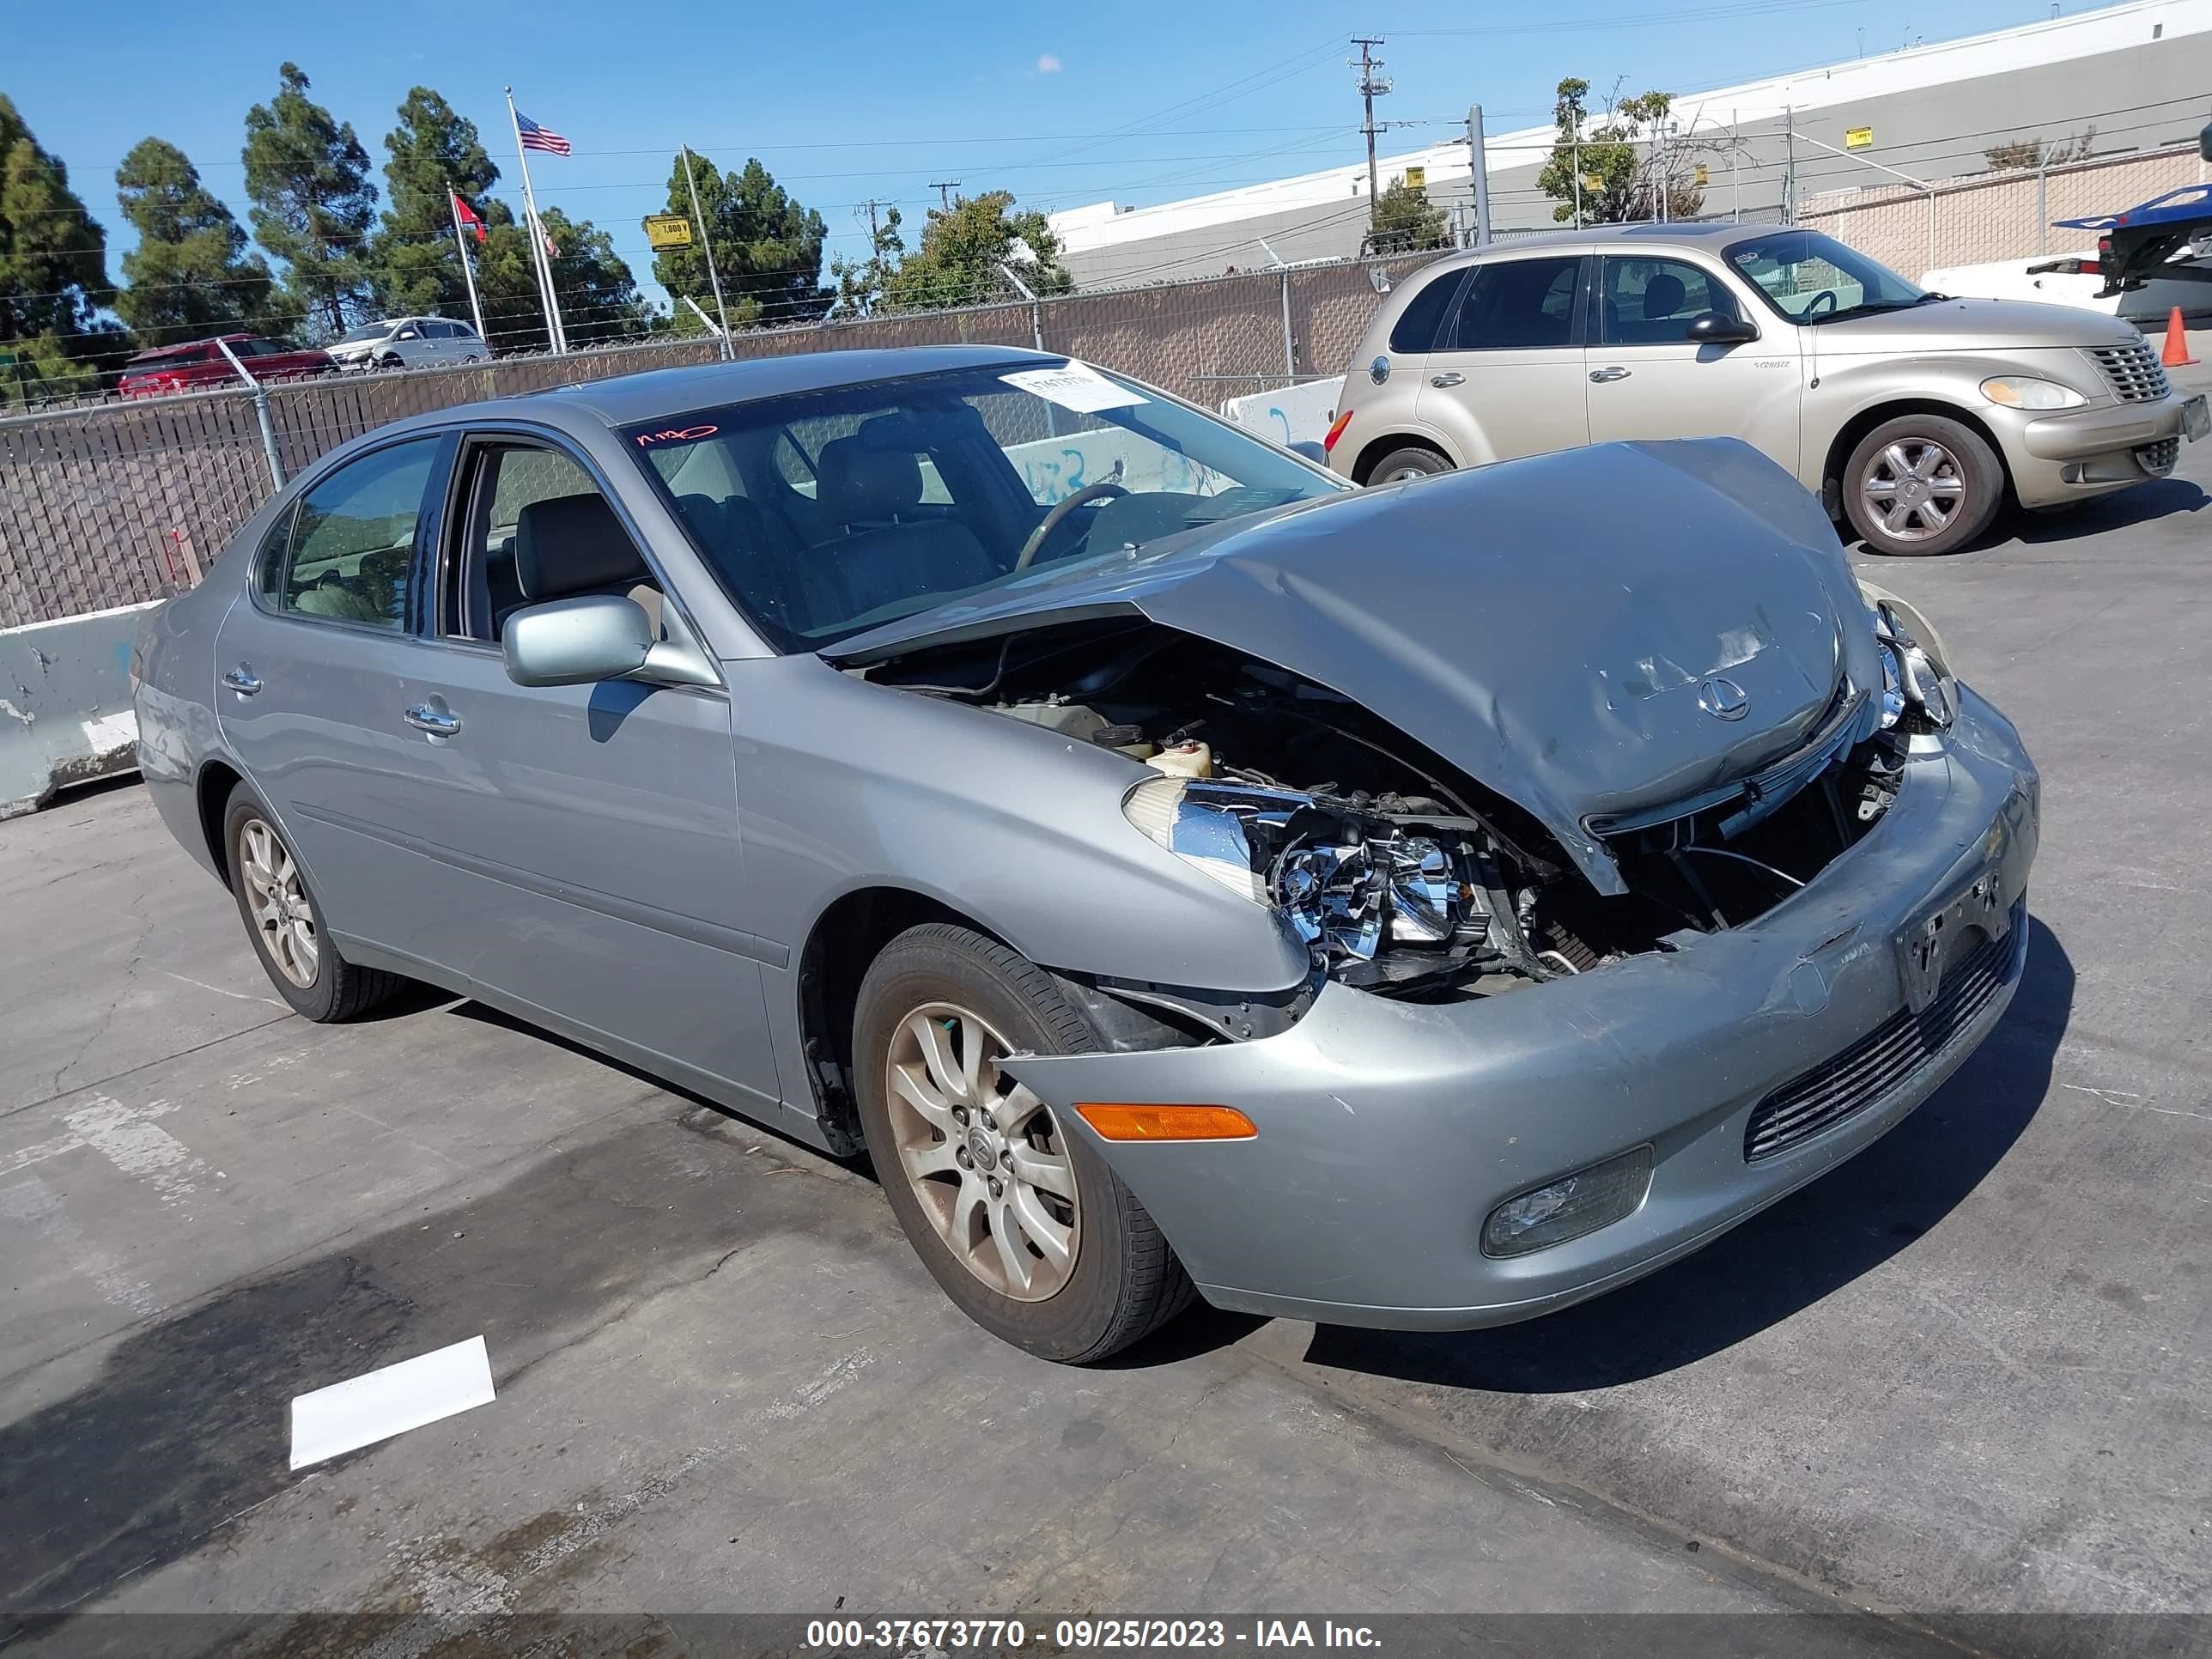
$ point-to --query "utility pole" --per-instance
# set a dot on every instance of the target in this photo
(944, 197)
(1788, 165)
(706, 242)
(1479, 164)
(1371, 88)
(869, 208)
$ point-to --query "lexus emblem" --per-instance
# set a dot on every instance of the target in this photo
(1725, 700)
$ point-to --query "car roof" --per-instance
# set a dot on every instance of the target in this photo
(183, 346)
(657, 393)
(1596, 238)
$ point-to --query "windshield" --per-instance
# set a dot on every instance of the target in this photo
(1812, 278)
(366, 331)
(829, 512)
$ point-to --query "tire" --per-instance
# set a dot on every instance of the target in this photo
(1411, 462)
(303, 963)
(390, 362)
(1120, 1281)
(1887, 493)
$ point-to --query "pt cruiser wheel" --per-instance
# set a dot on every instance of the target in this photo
(1023, 1226)
(286, 927)
(1922, 484)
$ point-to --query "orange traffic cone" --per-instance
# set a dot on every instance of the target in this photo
(2176, 354)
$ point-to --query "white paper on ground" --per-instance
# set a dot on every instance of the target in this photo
(363, 1410)
(1078, 386)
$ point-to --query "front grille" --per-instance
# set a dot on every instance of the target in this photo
(1880, 1061)
(2133, 372)
(2160, 456)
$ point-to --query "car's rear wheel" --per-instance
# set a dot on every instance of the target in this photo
(285, 924)
(1021, 1223)
(1412, 462)
(1922, 483)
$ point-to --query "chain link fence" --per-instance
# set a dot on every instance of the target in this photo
(111, 503)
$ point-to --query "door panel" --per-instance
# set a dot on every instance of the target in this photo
(590, 866)
(1649, 379)
(1505, 378)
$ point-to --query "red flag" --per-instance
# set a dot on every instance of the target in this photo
(468, 218)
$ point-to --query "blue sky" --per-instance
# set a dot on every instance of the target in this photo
(1139, 101)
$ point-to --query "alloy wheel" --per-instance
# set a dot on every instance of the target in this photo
(278, 902)
(983, 1153)
(1914, 487)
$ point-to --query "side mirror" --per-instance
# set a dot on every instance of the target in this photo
(580, 641)
(407, 334)
(2204, 142)
(1311, 450)
(1718, 328)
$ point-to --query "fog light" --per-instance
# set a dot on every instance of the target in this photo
(1569, 1206)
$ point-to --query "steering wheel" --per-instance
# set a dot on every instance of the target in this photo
(1812, 306)
(1053, 520)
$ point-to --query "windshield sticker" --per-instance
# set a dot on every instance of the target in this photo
(1078, 386)
(676, 434)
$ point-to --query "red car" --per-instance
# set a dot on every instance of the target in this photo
(201, 364)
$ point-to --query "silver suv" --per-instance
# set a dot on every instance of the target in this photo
(1911, 413)
(410, 343)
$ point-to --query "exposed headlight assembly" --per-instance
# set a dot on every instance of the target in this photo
(2029, 391)
(1916, 681)
(1355, 886)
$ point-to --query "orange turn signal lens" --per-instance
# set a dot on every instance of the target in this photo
(1167, 1122)
(1336, 431)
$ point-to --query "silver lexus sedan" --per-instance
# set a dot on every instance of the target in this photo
(1183, 875)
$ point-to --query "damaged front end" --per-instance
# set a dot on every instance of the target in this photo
(1402, 875)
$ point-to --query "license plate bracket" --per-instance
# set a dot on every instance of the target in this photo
(1926, 946)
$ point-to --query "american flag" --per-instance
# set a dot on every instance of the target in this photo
(537, 137)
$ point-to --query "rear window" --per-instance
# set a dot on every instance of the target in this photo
(1416, 327)
(155, 363)
(1518, 304)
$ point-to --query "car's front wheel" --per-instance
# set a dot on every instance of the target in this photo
(285, 925)
(1020, 1222)
(1922, 483)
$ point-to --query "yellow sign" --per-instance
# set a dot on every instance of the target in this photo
(1703, 178)
(1417, 178)
(1859, 138)
(667, 230)
(1591, 181)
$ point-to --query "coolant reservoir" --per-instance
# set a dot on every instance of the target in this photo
(1184, 760)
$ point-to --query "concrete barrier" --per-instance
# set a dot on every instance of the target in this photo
(65, 712)
(1296, 414)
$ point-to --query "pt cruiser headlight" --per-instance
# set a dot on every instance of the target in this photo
(2030, 392)
(1354, 885)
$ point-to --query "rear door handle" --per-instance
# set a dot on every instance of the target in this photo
(242, 680)
(1449, 377)
(423, 718)
(1615, 372)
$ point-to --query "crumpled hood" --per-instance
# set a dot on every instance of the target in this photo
(1557, 627)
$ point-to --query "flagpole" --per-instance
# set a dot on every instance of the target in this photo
(468, 270)
(536, 227)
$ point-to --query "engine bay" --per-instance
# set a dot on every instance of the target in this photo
(1404, 876)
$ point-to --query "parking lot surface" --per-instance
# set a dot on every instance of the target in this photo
(1962, 1374)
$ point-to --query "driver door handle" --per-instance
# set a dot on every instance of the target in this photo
(1613, 371)
(242, 680)
(1449, 377)
(423, 718)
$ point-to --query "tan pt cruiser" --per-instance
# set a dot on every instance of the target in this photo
(1913, 414)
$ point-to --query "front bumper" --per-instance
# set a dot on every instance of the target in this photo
(1388, 1130)
(2090, 451)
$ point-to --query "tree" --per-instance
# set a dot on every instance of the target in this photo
(768, 248)
(860, 282)
(1621, 179)
(308, 178)
(2031, 154)
(963, 247)
(189, 276)
(413, 266)
(598, 295)
(53, 275)
(1405, 221)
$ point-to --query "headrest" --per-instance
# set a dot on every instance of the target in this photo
(570, 545)
(859, 483)
(1663, 295)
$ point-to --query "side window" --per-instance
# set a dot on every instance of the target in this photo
(353, 539)
(1517, 304)
(1416, 327)
(1653, 301)
(580, 547)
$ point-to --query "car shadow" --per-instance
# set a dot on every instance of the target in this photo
(1783, 1259)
